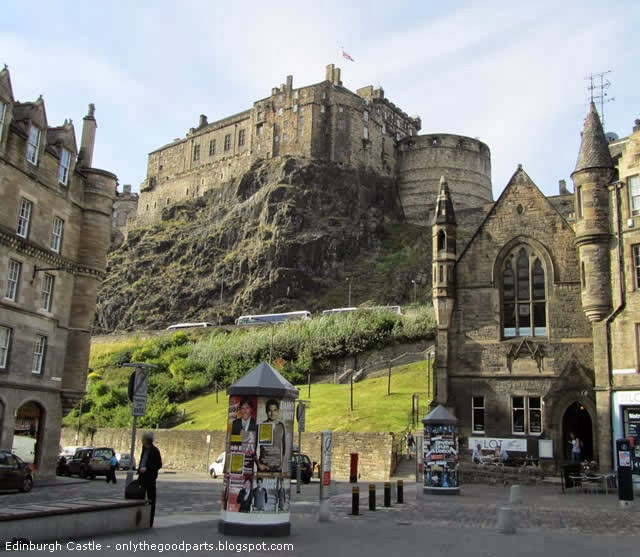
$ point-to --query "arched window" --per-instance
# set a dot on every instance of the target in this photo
(442, 240)
(524, 306)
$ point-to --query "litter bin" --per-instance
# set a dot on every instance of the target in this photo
(625, 480)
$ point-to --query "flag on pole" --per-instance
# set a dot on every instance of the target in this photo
(346, 55)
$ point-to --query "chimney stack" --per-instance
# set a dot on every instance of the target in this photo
(88, 140)
(203, 121)
(563, 187)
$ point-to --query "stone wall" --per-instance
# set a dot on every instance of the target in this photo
(188, 450)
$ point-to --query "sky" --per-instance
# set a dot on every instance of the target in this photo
(511, 73)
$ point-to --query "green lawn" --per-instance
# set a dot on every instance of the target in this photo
(373, 409)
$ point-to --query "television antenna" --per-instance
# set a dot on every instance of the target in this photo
(598, 85)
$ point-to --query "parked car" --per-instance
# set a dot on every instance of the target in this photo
(15, 473)
(66, 454)
(306, 468)
(89, 462)
(217, 466)
(125, 460)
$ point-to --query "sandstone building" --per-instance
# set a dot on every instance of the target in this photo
(55, 223)
(538, 315)
(324, 121)
(124, 209)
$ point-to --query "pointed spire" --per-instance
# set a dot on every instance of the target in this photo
(594, 148)
(444, 206)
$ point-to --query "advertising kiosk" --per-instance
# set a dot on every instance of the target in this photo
(440, 453)
(257, 477)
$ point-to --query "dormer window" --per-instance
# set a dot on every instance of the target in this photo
(33, 145)
(63, 169)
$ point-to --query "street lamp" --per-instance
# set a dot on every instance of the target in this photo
(415, 291)
(349, 301)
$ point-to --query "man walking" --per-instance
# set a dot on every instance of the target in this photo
(150, 463)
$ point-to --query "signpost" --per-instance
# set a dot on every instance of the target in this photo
(325, 474)
(138, 384)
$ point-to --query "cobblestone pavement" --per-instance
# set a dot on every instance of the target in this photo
(543, 507)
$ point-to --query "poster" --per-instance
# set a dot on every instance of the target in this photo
(257, 472)
(440, 456)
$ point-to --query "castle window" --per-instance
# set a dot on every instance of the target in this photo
(301, 126)
(187, 192)
(47, 291)
(13, 279)
(296, 94)
(241, 137)
(634, 194)
(168, 201)
(260, 115)
(24, 218)
(56, 234)
(5, 343)
(341, 124)
(227, 142)
(365, 115)
(442, 240)
(280, 111)
(636, 265)
(155, 204)
(583, 276)
(147, 208)
(302, 109)
(526, 415)
(295, 108)
(39, 351)
(33, 145)
(579, 213)
(259, 129)
(341, 109)
(196, 152)
(212, 147)
(322, 109)
(523, 295)
(365, 133)
(477, 414)
(63, 169)
(152, 181)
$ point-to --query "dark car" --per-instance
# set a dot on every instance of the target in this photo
(15, 473)
(89, 462)
(306, 468)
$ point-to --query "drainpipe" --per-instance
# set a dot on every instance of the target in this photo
(616, 186)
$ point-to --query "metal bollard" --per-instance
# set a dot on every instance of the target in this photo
(506, 522)
(372, 497)
(400, 488)
(355, 501)
(515, 495)
(387, 494)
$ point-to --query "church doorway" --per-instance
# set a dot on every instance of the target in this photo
(577, 420)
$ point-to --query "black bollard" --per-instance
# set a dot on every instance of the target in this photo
(372, 497)
(387, 494)
(400, 491)
(355, 500)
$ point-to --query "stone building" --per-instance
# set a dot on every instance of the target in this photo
(323, 121)
(55, 222)
(124, 209)
(537, 314)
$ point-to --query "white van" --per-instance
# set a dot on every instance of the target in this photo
(188, 325)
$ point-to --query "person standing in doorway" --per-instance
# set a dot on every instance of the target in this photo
(150, 463)
(576, 447)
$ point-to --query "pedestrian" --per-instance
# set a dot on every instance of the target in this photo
(576, 447)
(410, 444)
(150, 463)
(111, 473)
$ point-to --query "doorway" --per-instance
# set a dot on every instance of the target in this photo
(27, 433)
(577, 420)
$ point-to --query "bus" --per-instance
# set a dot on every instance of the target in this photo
(392, 309)
(273, 318)
(188, 325)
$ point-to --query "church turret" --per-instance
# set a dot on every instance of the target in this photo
(592, 176)
(444, 255)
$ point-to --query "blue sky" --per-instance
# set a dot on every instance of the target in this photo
(511, 73)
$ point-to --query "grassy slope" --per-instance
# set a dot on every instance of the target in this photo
(330, 408)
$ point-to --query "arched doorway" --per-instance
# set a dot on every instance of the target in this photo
(576, 419)
(27, 432)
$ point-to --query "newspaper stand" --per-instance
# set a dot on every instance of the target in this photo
(441, 453)
(257, 472)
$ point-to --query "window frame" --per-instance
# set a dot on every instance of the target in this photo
(46, 294)
(24, 221)
(57, 235)
(196, 152)
(242, 137)
(5, 349)
(64, 167)
(39, 354)
(212, 147)
(526, 411)
(14, 273)
(579, 203)
(635, 262)
(227, 142)
(633, 182)
(33, 149)
(474, 407)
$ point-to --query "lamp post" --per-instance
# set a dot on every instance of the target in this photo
(349, 299)
(415, 291)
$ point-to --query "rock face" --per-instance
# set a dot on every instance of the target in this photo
(279, 238)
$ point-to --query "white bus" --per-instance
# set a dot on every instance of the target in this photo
(188, 325)
(392, 309)
(272, 318)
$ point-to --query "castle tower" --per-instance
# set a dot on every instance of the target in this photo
(592, 176)
(443, 281)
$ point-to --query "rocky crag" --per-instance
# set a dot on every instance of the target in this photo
(289, 234)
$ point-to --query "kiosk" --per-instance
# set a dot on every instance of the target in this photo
(257, 470)
(441, 453)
